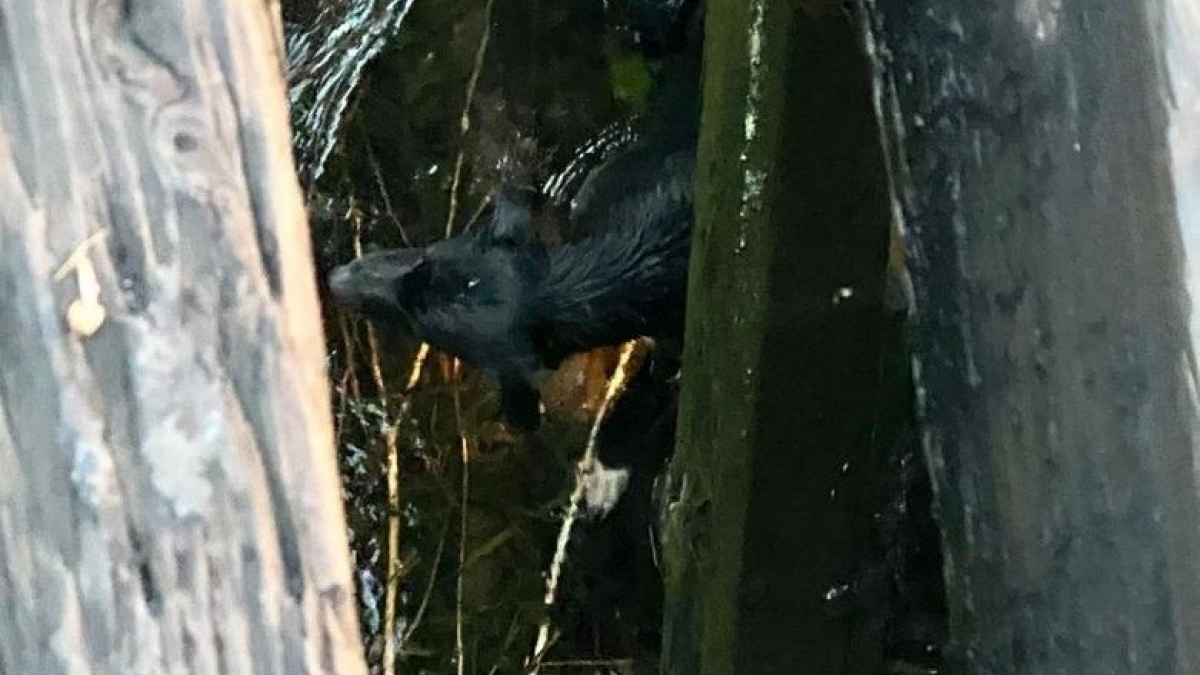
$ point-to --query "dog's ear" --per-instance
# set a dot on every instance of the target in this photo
(413, 280)
(512, 216)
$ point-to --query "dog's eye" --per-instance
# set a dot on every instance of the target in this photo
(466, 288)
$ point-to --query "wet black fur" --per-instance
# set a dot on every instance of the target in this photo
(501, 300)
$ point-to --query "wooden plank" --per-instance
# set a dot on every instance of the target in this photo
(168, 498)
(765, 500)
(1032, 167)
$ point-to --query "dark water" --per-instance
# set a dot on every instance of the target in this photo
(378, 90)
(327, 51)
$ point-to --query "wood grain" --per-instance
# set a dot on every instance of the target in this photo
(168, 497)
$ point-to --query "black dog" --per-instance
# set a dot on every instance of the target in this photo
(501, 300)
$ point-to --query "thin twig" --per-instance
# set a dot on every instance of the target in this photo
(346, 382)
(437, 561)
(535, 661)
(464, 126)
(418, 364)
(453, 209)
(591, 663)
(514, 629)
(464, 120)
(387, 199)
(391, 431)
(632, 354)
(390, 438)
(483, 204)
(465, 451)
(80, 251)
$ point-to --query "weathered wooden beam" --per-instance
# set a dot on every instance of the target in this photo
(168, 498)
(765, 503)
(1032, 166)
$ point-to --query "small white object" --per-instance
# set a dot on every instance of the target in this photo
(84, 317)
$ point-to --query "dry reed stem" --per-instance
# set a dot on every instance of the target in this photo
(632, 355)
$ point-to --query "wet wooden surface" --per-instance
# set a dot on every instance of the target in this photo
(1030, 152)
(765, 503)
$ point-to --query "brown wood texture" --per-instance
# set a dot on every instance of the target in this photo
(168, 497)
